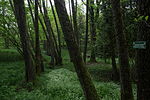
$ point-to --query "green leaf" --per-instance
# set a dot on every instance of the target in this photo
(146, 18)
(140, 18)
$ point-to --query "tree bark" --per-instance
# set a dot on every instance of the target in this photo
(107, 13)
(75, 25)
(70, 10)
(83, 74)
(93, 32)
(143, 55)
(21, 21)
(114, 65)
(87, 30)
(58, 32)
(126, 87)
(38, 55)
(52, 40)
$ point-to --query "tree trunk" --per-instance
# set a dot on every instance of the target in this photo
(49, 41)
(93, 32)
(113, 57)
(114, 65)
(87, 30)
(70, 10)
(58, 32)
(107, 12)
(143, 55)
(75, 25)
(126, 87)
(83, 74)
(38, 55)
(21, 21)
(50, 35)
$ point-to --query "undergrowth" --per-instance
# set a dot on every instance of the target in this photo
(57, 84)
(9, 55)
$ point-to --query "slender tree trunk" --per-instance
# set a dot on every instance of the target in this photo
(49, 38)
(114, 65)
(21, 21)
(83, 74)
(71, 19)
(126, 85)
(70, 10)
(33, 20)
(97, 11)
(75, 25)
(38, 55)
(93, 32)
(53, 42)
(113, 56)
(110, 32)
(58, 32)
(143, 55)
(31, 13)
(87, 30)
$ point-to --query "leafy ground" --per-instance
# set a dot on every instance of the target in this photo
(60, 83)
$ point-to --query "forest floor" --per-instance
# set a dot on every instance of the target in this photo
(60, 83)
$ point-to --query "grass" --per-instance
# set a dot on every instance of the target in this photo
(9, 55)
(11, 74)
(57, 84)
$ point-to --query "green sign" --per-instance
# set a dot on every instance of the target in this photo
(139, 44)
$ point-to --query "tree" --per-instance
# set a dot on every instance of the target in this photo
(92, 31)
(70, 10)
(110, 34)
(126, 87)
(93, 26)
(87, 30)
(38, 55)
(143, 55)
(83, 75)
(56, 59)
(22, 27)
(75, 24)
(58, 31)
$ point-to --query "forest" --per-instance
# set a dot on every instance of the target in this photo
(74, 50)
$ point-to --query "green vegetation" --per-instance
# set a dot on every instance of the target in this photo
(74, 50)
(53, 84)
(9, 55)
